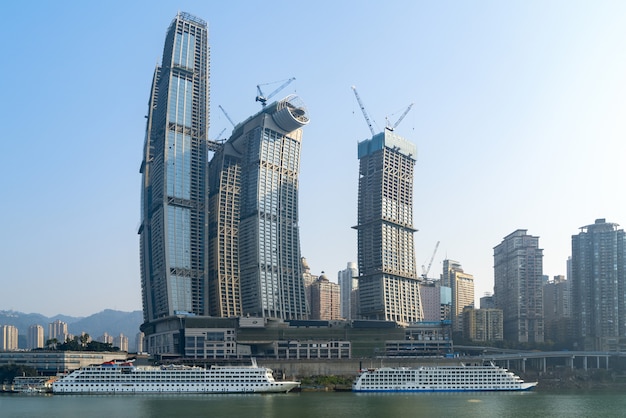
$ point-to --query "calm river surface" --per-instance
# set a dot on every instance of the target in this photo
(574, 403)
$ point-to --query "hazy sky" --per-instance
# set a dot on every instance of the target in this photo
(519, 120)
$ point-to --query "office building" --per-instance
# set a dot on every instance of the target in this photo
(462, 288)
(172, 231)
(599, 286)
(255, 265)
(388, 281)
(35, 338)
(518, 276)
(348, 285)
(8, 338)
(325, 299)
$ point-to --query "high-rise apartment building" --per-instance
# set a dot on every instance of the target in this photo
(483, 324)
(35, 338)
(121, 341)
(173, 233)
(57, 330)
(598, 278)
(462, 287)
(255, 264)
(388, 281)
(557, 310)
(325, 299)
(518, 277)
(348, 285)
(8, 338)
(106, 338)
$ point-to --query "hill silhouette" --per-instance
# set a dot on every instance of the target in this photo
(110, 321)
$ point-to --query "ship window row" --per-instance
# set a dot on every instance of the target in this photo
(155, 384)
(190, 378)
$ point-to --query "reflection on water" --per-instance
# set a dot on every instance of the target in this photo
(320, 405)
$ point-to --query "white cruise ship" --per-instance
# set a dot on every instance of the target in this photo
(124, 377)
(457, 378)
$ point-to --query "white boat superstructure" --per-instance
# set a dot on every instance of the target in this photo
(454, 378)
(124, 377)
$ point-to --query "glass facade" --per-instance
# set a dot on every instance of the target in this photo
(173, 207)
(254, 219)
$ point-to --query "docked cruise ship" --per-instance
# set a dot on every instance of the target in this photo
(453, 378)
(124, 377)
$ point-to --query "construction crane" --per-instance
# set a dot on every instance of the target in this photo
(226, 114)
(395, 125)
(367, 119)
(426, 270)
(263, 98)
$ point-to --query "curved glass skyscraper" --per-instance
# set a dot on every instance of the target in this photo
(173, 213)
(254, 236)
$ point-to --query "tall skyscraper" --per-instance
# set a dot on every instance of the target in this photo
(462, 286)
(173, 232)
(255, 266)
(599, 286)
(35, 337)
(518, 278)
(348, 285)
(388, 281)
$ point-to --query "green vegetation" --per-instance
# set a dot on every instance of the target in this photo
(9, 371)
(81, 343)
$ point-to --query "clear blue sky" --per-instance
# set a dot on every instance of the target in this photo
(519, 120)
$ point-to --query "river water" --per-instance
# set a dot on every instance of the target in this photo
(571, 403)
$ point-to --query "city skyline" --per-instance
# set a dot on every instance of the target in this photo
(518, 122)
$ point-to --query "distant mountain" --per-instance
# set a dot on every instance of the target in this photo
(109, 321)
(112, 322)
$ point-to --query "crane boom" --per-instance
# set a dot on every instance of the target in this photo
(426, 270)
(263, 99)
(367, 119)
(402, 117)
(226, 114)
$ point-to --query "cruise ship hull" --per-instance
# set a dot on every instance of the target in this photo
(114, 378)
(461, 378)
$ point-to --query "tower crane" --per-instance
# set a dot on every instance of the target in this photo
(426, 270)
(262, 98)
(226, 114)
(395, 125)
(217, 139)
(367, 119)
